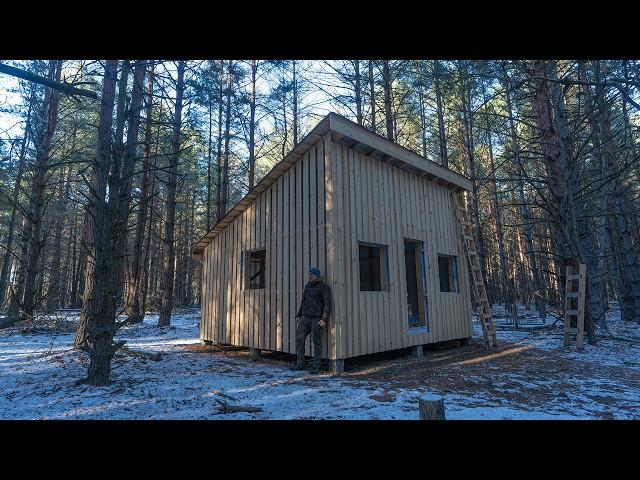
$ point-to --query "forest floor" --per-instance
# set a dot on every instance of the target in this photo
(530, 376)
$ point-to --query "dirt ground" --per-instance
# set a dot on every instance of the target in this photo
(531, 375)
(515, 373)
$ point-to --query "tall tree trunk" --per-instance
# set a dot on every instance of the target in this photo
(506, 289)
(42, 271)
(210, 105)
(100, 178)
(618, 226)
(6, 261)
(40, 181)
(386, 85)
(132, 309)
(372, 96)
(168, 264)
(574, 236)
(596, 139)
(252, 123)
(358, 91)
(285, 127)
(178, 285)
(585, 237)
(146, 255)
(227, 137)
(220, 211)
(109, 231)
(442, 138)
(188, 260)
(467, 124)
(83, 259)
(295, 105)
(69, 262)
(94, 334)
(540, 297)
(79, 281)
(17, 292)
(54, 296)
(423, 121)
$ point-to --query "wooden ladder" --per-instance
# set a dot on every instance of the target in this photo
(477, 282)
(575, 292)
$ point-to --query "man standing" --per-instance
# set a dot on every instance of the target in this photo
(312, 316)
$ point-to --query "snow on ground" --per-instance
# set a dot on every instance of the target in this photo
(531, 376)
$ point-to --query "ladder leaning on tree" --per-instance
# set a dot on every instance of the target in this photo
(574, 304)
(477, 281)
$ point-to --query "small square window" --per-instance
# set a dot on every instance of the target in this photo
(448, 271)
(373, 267)
(254, 269)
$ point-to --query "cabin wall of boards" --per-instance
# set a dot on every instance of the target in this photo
(342, 210)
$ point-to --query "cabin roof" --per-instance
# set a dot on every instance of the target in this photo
(355, 136)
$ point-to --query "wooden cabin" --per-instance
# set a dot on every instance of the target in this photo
(376, 218)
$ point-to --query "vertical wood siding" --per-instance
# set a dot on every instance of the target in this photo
(316, 214)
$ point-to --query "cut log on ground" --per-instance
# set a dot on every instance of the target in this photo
(155, 356)
(431, 407)
(226, 408)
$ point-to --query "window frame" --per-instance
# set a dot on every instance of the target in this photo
(452, 268)
(245, 264)
(384, 266)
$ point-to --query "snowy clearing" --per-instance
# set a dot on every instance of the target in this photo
(530, 376)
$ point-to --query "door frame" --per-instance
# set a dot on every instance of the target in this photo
(421, 283)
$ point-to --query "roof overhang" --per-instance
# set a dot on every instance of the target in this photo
(355, 136)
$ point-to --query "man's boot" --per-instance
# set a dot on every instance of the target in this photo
(298, 366)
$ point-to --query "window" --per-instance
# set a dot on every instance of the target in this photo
(448, 271)
(254, 269)
(373, 267)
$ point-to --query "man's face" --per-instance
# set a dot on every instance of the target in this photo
(312, 277)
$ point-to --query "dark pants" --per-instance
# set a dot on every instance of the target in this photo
(307, 325)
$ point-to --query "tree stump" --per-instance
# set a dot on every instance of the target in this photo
(431, 407)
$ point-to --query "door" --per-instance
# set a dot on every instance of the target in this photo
(416, 283)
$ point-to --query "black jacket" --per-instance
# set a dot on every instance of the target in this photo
(316, 300)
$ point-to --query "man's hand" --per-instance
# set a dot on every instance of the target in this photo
(297, 321)
(322, 323)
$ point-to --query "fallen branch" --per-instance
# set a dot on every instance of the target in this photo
(221, 394)
(225, 408)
